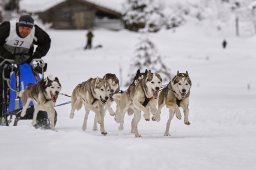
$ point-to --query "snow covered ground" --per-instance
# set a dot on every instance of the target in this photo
(222, 108)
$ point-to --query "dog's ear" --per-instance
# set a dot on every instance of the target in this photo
(187, 73)
(146, 71)
(56, 79)
(159, 76)
(148, 74)
(46, 81)
(173, 79)
(178, 72)
(138, 72)
(97, 80)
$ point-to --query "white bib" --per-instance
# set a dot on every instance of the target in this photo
(13, 40)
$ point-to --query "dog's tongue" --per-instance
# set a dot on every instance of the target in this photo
(54, 97)
(155, 93)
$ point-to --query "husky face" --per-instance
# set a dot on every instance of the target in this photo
(181, 84)
(52, 88)
(102, 90)
(113, 82)
(153, 83)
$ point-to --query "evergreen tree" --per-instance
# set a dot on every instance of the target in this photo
(12, 5)
(143, 13)
(147, 57)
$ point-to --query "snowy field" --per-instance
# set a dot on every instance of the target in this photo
(222, 134)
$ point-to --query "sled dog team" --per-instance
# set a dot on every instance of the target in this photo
(97, 95)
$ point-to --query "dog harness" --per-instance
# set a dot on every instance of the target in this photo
(147, 99)
(32, 88)
(145, 103)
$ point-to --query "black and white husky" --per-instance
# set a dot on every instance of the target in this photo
(141, 96)
(43, 95)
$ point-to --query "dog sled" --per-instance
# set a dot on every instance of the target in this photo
(16, 78)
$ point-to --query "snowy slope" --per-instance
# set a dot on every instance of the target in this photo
(222, 110)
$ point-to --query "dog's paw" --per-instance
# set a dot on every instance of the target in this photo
(178, 115)
(95, 128)
(187, 123)
(36, 126)
(112, 114)
(55, 130)
(117, 120)
(146, 116)
(167, 134)
(156, 117)
(104, 133)
(71, 116)
(137, 135)
(23, 113)
(84, 128)
(34, 123)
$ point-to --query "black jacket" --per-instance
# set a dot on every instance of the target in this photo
(42, 40)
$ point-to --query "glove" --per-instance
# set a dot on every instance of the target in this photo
(36, 56)
(33, 57)
(39, 68)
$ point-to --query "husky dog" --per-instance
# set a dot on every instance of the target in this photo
(43, 95)
(140, 96)
(175, 95)
(93, 94)
(114, 88)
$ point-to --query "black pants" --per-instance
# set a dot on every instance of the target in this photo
(88, 45)
(43, 121)
(42, 118)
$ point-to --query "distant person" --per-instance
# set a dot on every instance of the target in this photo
(89, 37)
(224, 44)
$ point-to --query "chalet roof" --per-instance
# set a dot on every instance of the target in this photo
(35, 6)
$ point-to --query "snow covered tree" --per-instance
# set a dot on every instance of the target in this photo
(12, 5)
(252, 8)
(147, 57)
(143, 13)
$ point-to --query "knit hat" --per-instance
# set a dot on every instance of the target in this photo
(26, 21)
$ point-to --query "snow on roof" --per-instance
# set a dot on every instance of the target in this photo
(42, 5)
(38, 5)
(115, 5)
